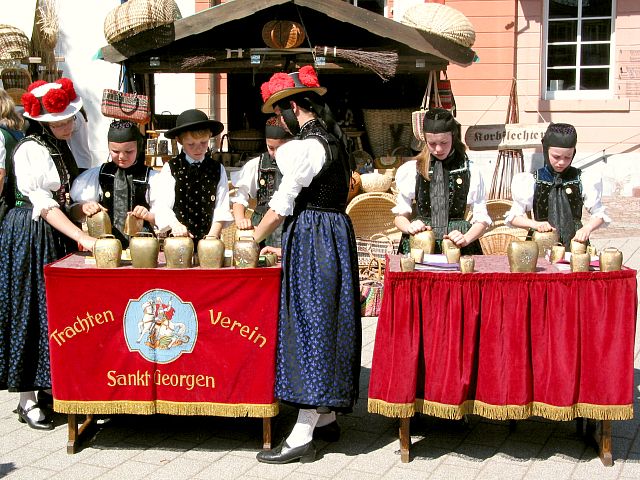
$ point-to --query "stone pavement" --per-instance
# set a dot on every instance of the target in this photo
(159, 447)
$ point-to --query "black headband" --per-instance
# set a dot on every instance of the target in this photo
(439, 120)
(121, 131)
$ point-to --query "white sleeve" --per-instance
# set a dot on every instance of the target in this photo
(477, 198)
(406, 184)
(79, 143)
(86, 187)
(162, 196)
(592, 195)
(3, 152)
(522, 189)
(246, 183)
(36, 176)
(222, 210)
(299, 161)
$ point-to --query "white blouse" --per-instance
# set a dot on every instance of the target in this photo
(247, 182)
(86, 188)
(36, 176)
(3, 152)
(166, 184)
(523, 187)
(299, 161)
(406, 184)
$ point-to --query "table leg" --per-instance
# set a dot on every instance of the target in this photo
(604, 443)
(266, 433)
(405, 439)
(75, 433)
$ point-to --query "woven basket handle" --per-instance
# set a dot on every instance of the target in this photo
(427, 92)
(132, 109)
(436, 93)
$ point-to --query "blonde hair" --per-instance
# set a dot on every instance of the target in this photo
(8, 115)
(197, 134)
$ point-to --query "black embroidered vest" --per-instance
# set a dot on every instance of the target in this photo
(571, 184)
(195, 191)
(269, 178)
(459, 183)
(329, 188)
(140, 173)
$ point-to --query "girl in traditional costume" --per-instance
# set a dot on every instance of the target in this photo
(35, 232)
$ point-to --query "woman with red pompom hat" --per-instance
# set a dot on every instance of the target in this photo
(319, 329)
(35, 232)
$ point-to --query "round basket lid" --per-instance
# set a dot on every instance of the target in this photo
(441, 20)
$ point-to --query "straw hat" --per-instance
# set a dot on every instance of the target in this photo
(51, 102)
(283, 85)
(442, 21)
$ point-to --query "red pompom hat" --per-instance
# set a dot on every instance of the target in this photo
(51, 102)
(283, 85)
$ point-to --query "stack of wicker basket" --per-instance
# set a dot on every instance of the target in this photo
(136, 16)
(14, 44)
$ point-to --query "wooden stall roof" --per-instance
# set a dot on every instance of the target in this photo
(223, 38)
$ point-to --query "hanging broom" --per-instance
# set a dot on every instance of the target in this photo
(383, 63)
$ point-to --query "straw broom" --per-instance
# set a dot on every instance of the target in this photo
(48, 23)
(383, 63)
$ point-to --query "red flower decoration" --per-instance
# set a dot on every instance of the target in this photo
(308, 76)
(31, 104)
(55, 100)
(67, 86)
(277, 82)
(36, 84)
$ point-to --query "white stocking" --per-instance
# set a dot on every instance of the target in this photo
(326, 419)
(302, 432)
(27, 400)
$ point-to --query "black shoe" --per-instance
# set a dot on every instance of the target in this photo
(328, 433)
(45, 400)
(284, 454)
(23, 417)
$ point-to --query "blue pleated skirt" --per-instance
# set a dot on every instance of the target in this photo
(319, 329)
(25, 247)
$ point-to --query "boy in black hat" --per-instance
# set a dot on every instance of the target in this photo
(195, 185)
(123, 186)
(259, 178)
(557, 192)
(435, 189)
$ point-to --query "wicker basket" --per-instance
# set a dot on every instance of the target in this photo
(387, 129)
(136, 16)
(371, 214)
(497, 209)
(15, 78)
(16, 94)
(441, 20)
(497, 240)
(245, 141)
(375, 182)
(14, 43)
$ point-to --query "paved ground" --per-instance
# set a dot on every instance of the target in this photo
(159, 447)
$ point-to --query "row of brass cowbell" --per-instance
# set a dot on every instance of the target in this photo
(178, 251)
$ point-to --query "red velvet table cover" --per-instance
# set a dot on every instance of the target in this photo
(505, 345)
(175, 341)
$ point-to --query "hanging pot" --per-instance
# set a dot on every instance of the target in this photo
(282, 34)
(144, 248)
(107, 251)
(211, 252)
(178, 251)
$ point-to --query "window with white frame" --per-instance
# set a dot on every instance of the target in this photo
(579, 48)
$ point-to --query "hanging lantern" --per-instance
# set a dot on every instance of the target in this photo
(282, 34)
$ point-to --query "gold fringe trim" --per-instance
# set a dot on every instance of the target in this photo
(502, 412)
(394, 410)
(166, 407)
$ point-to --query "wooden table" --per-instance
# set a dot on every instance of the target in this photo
(505, 346)
(171, 341)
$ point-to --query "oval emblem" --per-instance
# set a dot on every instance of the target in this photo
(262, 182)
(568, 190)
(459, 181)
(107, 194)
(213, 198)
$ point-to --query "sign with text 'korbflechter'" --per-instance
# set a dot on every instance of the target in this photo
(510, 136)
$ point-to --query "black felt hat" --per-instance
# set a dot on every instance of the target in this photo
(192, 120)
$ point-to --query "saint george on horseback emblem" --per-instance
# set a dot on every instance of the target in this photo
(160, 326)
